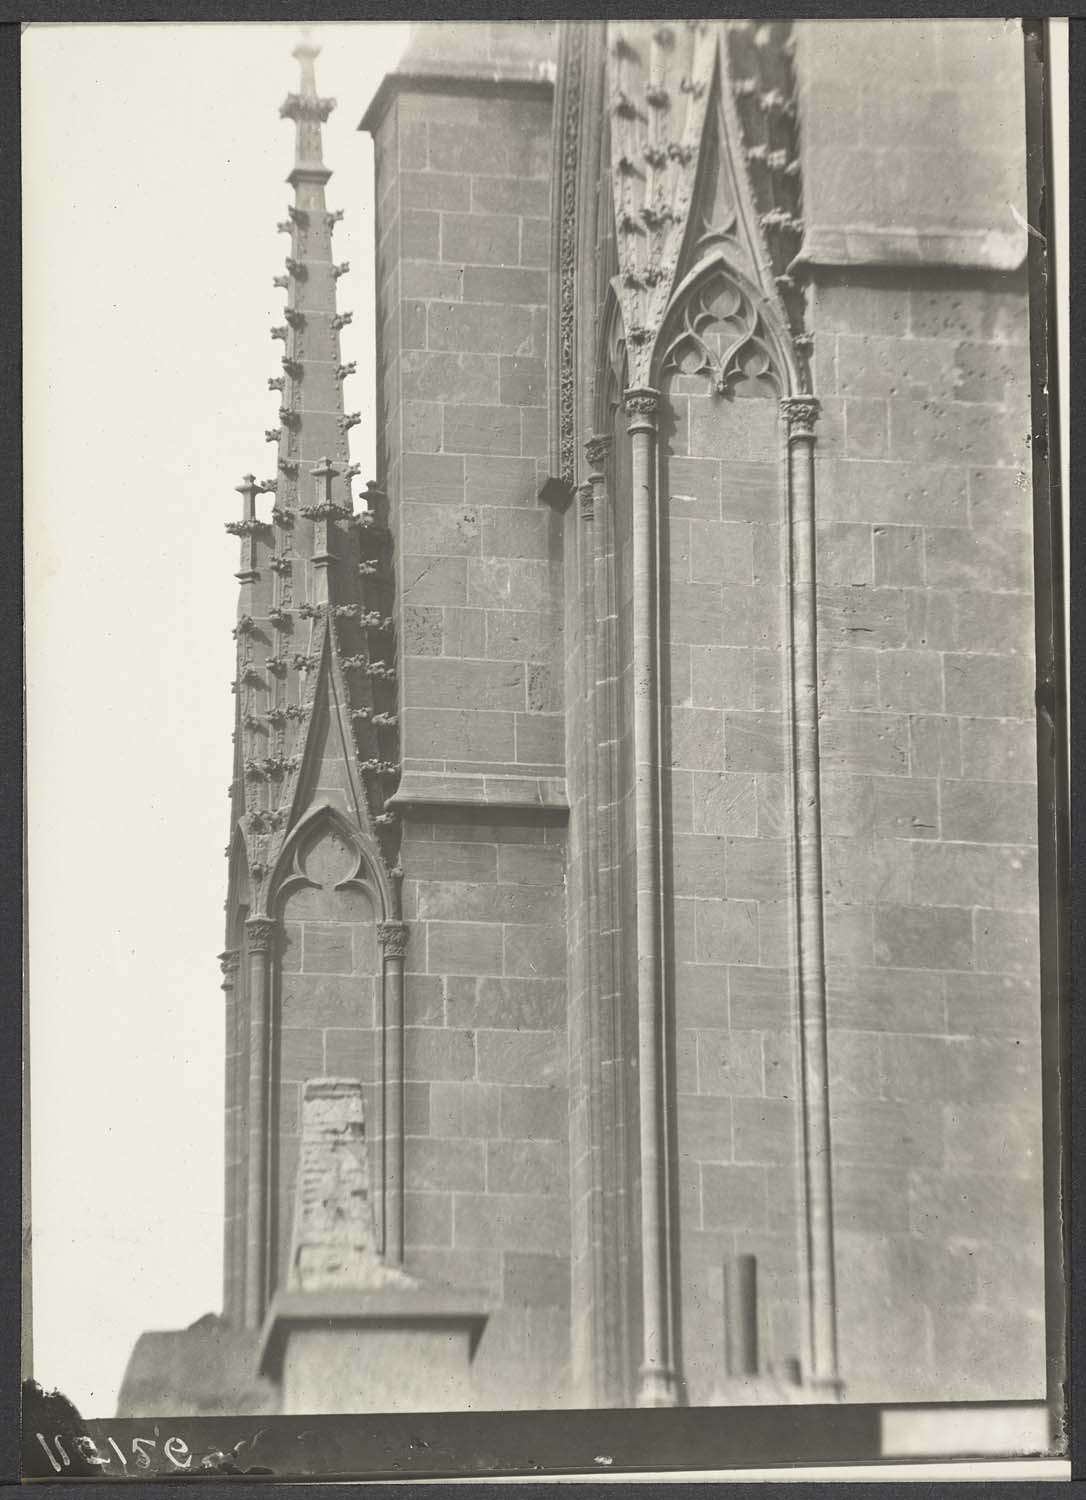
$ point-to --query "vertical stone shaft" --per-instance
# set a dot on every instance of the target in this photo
(393, 940)
(232, 1111)
(801, 414)
(586, 546)
(657, 1385)
(260, 934)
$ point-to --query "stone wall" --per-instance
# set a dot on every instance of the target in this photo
(463, 254)
(928, 736)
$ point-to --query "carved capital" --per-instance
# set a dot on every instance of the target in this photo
(595, 452)
(260, 934)
(801, 413)
(641, 405)
(393, 938)
(228, 963)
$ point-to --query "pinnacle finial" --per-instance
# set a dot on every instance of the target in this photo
(305, 52)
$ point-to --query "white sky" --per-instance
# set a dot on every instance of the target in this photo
(154, 165)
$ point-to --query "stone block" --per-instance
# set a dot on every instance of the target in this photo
(541, 740)
(515, 1057)
(435, 190)
(999, 1070)
(858, 874)
(420, 236)
(887, 493)
(1002, 623)
(482, 429)
(535, 951)
(326, 1000)
(526, 196)
(453, 379)
(481, 327)
(701, 994)
(993, 1003)
(923, 937)
(518, 1003)
(1007, 942)
(988, 560)
(722, 677)
(527, 1167)
(911, 681)
(430, 859)
(765, 1130)
(523, 381)
(985, 1206)
(730, 1063)
(350, 1053)
(845, 308)
(872, 1132)
(434, 683)
(427, 1219)
(530, 1280)
(866, 432)
(480, 239)
(868, 1200)
(512, 583)
(906, 808)
(495, 480)
(1000, 498)
(693, 487)
(896, 1000)
(726, 932)
(934, 745)
(855, 1065)
(915, 1068)
(459, 734)
(438, 1052)
(443, 1166)
(865, 743)
(721, 552)
(327, 948)
(734, 1197)
(849, 935)
(535, 242)
(301, 1053)
(440, 530)
(898, 556)
(704, 1128)
(992, 1138)
(755, 741)
(534, 1112)
(435, 580)
(845, 553)
(861, 616)
(990, 812)
(531, 1222)
(464, 947)
(1000, 876)
(757, 869)
(760, 998)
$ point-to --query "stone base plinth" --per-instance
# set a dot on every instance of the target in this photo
(391, 1349)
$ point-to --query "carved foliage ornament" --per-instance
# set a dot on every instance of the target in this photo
(660, 80)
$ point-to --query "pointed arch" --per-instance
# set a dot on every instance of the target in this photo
(367, 875)
(747, 327)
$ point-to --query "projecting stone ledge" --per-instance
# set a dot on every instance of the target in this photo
(434, 789)
(387, 1350)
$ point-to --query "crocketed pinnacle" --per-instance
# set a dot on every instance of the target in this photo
(308, 111)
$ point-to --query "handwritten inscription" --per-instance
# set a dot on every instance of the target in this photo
(140, 1454)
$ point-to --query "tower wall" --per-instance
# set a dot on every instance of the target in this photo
(463, 234)
(913, 167)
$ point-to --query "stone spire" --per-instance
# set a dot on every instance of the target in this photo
(316, 584)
